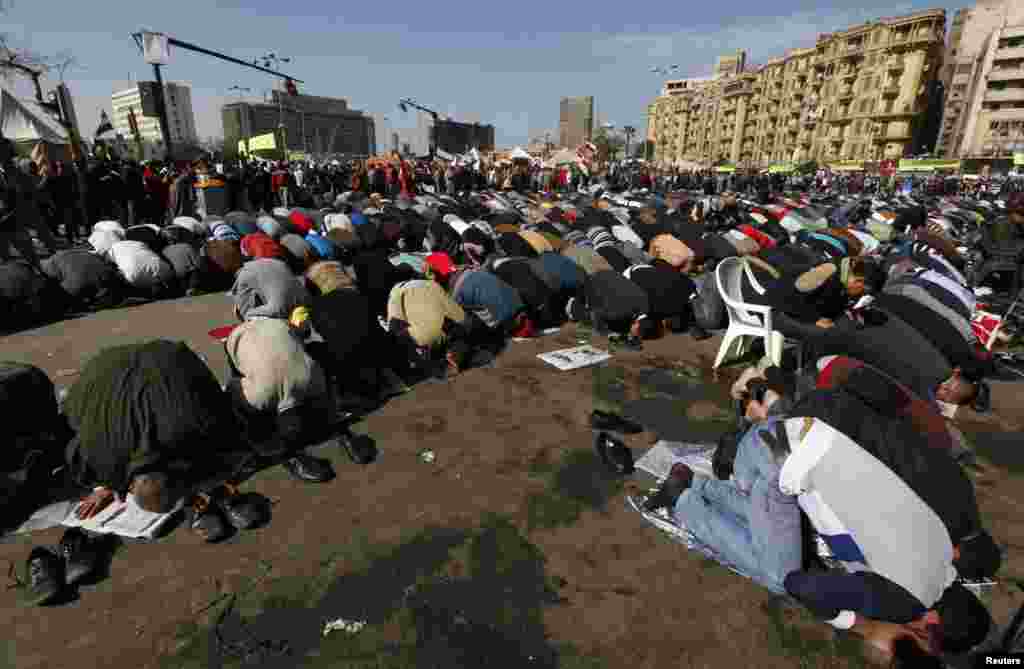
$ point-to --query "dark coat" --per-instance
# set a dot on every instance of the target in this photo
(144, 406)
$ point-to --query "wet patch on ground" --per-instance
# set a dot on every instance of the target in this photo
(445, 598)
(579, 482)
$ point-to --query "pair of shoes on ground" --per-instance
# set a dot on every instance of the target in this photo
(212, 515)
(50, 571)
(359, 448)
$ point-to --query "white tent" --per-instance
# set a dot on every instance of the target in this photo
(24, 121)
(519, 154)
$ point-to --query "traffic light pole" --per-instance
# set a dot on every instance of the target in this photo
(161, 109)
(161, 106)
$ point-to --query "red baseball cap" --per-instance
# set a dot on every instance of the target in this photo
(441, 264)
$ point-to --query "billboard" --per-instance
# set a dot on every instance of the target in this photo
(263, 142)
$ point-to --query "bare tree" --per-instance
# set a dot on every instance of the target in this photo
(21, 62)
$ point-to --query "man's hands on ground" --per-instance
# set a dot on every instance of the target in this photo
(98, 500)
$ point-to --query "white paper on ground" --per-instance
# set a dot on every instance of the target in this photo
(659, 459)
(574, 358)
(127, 519)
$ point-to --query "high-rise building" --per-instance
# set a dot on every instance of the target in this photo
(575, 121)
(180, 118)
(993, 124)
(860, 93)
(313, 125)
(976, 63)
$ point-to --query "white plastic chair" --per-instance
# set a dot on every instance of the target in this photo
(746, 321)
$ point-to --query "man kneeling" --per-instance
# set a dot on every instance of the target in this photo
(897, 589)
(279, 394)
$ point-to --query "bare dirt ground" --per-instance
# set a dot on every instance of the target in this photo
(513, 548)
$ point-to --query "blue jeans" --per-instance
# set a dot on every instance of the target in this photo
(748, 521)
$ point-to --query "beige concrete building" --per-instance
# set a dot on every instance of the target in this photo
(973, 58)
(861, 93)
(994, 123)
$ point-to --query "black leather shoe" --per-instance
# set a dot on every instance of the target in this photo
(245, 511)
(309, 469)
(81, 554)
(615, 454)
(600, 420)
(679, 479)
(45, 573)
(359, 448)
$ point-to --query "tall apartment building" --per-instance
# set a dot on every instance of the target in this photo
(994, 120)
(861, 93)
(180, 118)
(575, 121)
(973, 57)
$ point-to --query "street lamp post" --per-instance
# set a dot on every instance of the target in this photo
(275, 60)
(405, 103)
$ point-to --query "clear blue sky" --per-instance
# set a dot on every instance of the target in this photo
(505, 63)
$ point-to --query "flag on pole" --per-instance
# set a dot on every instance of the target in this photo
(105, 124)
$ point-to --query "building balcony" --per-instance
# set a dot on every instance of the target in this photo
(1008, 95)
(739, 88)
(845, 93)
(1008, 53)
(891, 90)
(896, 111)
(894, 64)
(1006, 74)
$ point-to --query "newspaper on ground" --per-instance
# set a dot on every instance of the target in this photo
(567, 359)
(126, 519)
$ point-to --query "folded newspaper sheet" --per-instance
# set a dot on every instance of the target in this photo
(574, 358)
(126, 519)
